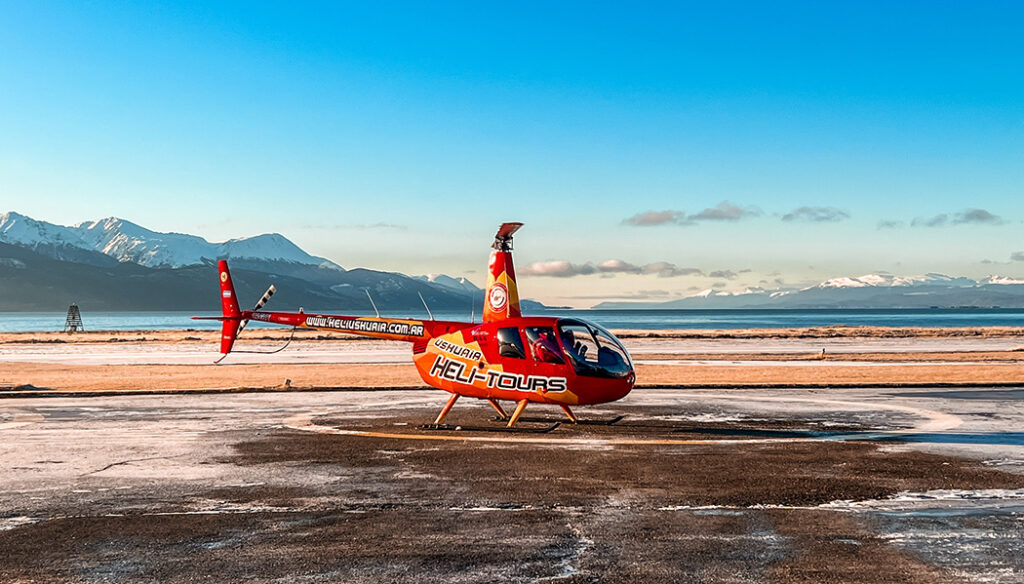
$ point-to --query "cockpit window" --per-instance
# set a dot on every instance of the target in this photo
(611, 356)
(593, 351)
(579, 343)
(543, 344)
(510, 343)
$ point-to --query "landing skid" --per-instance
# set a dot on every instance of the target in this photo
(609, 422)
(514, 429)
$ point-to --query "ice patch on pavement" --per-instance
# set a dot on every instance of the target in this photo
(1003, 462)
(706, 418)
(7, 523)
(962, 500)
(413, 475)
(722, 512)
(722, 509)
(1008, 575)
(933, 496)
(503, 508)
(567, 567)
(214, 507)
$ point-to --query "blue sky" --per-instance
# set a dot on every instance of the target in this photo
(398, 135)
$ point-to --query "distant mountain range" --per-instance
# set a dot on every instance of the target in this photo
(868, 291)
(113, 264)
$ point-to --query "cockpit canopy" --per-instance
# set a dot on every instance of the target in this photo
(592, 350)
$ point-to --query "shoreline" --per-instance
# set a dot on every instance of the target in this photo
(188, 335)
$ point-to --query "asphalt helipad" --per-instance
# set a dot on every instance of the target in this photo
(853, 485)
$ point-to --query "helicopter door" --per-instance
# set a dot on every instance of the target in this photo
(510, 343)
(546, 358)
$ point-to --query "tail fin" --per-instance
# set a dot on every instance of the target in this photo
(502, 299)
(229, 309)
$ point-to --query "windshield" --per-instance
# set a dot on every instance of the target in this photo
(593, 351)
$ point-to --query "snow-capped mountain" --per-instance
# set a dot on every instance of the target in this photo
(888, 280)
(867, 291)
(1002, 280)
(125, 241)
(55, 241)
(19, 229)
(461, 284)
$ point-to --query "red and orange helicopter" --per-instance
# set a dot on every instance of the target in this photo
(508, 356)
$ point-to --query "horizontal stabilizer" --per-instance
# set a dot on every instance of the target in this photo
(503, 239)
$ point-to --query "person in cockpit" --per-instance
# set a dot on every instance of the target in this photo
(575, 349)
(543, 345)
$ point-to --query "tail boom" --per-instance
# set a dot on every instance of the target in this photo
(396, 329)
(233, 319)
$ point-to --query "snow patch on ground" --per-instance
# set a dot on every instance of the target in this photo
(933, 496)
(706, 418)
(905, 499)
(7, 523)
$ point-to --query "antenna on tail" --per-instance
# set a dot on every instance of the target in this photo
(372, 303)
(425, 305)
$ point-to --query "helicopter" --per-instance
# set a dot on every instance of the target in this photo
(506, 357)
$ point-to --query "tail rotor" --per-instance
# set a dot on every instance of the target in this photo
(262, 302)
(232, 319)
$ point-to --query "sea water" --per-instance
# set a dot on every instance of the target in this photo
(649, 319)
